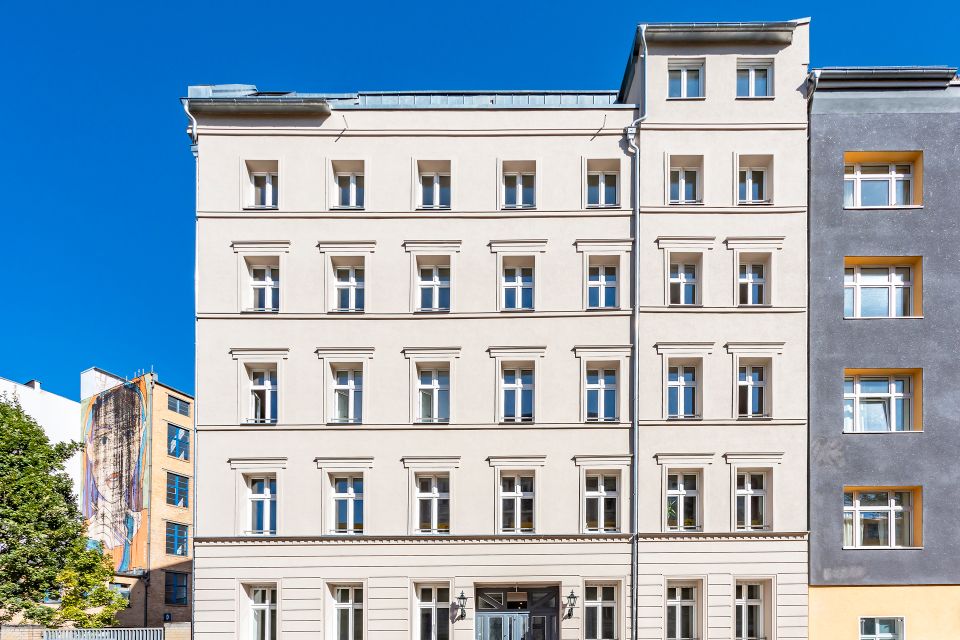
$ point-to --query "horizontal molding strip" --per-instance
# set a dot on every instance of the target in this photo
(587, 426)
(406, 315)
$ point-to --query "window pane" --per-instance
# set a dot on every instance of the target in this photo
(593, 513)
(606, 623)
(510, 190)
(593, 189)
(444, 191)
(903, 192)
(742, 187)
(760, 82)
(610, 296)
(874, 528)
(359, 189)
(528, 190)
(848, 302)
(874, 302)
(693, 83)
(610, 513)
(690, 186)
(343, 183)
(609, 404)
(743, 83)
(757, 191)
(674, 83)
(674, 186)
(610, 189)
(427, 190)
(590, 623)
(874, 193)
(848, 193)
(593, 404)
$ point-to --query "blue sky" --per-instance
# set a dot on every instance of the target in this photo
(98, 212)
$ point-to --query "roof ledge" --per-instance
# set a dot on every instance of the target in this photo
(884, 77)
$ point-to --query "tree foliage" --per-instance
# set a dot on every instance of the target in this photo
(43, 546)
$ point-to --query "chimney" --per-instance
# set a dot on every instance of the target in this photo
(33, 384)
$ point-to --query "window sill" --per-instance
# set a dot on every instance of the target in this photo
(754, 418)
(516, 310)
(686, 98)
(432, 311)
(340, 423)
(763, 203)
(883, 548)
(884, 207)
(446, 208)
(346, 208)
(175, 604)
(523, 208)
(878, 433)
(614, 308)
(608, 421)
(684, 418)
(260, 423)
(261, 311)
(749, 98)
(431, 422)
(346, 310)
(883, 317)
(511, 422)
(604, 206)
(673, 305)
(259, 208)
(686, 203)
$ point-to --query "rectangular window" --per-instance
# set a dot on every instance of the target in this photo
(517, 389)
(178, 490)
(262, 498)
(349, 288)
(754, 79)
(178, 442)
(682, 611)
(683, 508)
(683, 284)
(348, 504)
(434, 613)
(685, 79)
(602, 189)
(881, 291)
(348, 613)
(602, 287)
(602, 502)
(517, 287)
(433, 503)
(177, 539)
(752, 186)
(175, 587)
(752, 284)
(266, 189)
(878, 403)
(879, 518)
(263, 396)
(265, 288)
(751, 501)
(348, 396)
(601, 395)
(516, 503)
(682, 392)
(519, 184)
(749, 605)
(881, 629)
(180, 406)
(263, 613)
(752, 392)
(877, 185)
(685, 186)
(350, 190)
(434, 190)
(600, 612)
(433, 391)
(434, 287)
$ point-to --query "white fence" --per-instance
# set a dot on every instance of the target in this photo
(103, 634)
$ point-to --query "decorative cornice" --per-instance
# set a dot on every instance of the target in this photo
(601, 460)
(686, 242)
(347, 246)
(754, 242)
(517, 462)
(680, 459)
(358, 462)
(430, 352)
(259, 353)
(430, 462)
(684, 348)
(257, 463)
(431, 245)
(344, 353)
(260, 246)
(521, 246)
(604, 246)
(601, 351)
(755, 348)
(759, 457)
(516, 352)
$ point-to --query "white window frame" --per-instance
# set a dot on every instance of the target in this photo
(352, 285)
(745, 381)
(680, 384)
(434, 388)
(434, 606)
(600, 494)
(889, 398)
(435, 188)
(350, 497)
(271, 189)
(517, 496)
(892, 285)
(602, 177)
(517, 286)
(892, 177)
(267, 498)
(748, 185)
(746, 493)
(682, 183)
(271, 393)
(600, 603)
(351, 388)
(433, 497)
(353, 604)
(742, 605)
(682, 281)
(746, 277)
(518, 388)
(270, 284)
(521, 176)
(680, 493)
(435, 284)
(751, 67)
(876, 635)
(270, 605)
(891, 509)
(352, 175)
(676, 606)
(599, 388)
(684, 67)
(601, 285)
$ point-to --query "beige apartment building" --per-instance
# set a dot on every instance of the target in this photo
(421, 353)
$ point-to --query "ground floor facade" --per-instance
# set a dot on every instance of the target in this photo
(510, 587)
(901, 612)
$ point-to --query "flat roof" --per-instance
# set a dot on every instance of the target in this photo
(904, 77)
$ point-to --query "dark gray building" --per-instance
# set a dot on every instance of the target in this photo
(884, 343)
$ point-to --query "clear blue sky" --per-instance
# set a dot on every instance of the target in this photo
(98, 207)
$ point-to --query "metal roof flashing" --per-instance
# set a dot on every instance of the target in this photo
(865, 78)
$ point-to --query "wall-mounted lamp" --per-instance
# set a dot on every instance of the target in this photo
(571, 602)
(462, 606)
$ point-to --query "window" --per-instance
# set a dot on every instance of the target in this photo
(433, 503)
(177, 542)
(348, 396)
(263, 610)
(682, 392)
(877, 403)
(266, 189)
(752, 186)
(434, 608)
(751, 501)
(517, 284)
(602, 189)
(516, 503)
(175, 587)
(881, 291)
(350, 190)
(602, 502)
(262, 498)
(433, 389)
(349, 288)
(751, 391)
(602, 286)
(265, 288)
(754, 79)
(681, 611)
(749, 614)
(434, 286)
(601, 395)
(881, 629)
(434, 190)
(179, 406)
(600, 612)
(877, 185)
(348, 605)
(752, 284)
(519, 185)
(878, 518)
(178, 442)
(683, 509)
(685, 79)
(263, 396)
(517, 384)
(348, 504)
(683, 283)
(178, 490)
(685, 186)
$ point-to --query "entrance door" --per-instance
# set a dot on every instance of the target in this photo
(502, 626)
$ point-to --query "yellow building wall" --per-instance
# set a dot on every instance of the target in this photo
(929, 612)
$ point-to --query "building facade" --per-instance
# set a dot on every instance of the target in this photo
(137, 490)
(419, 332)
(883, 237)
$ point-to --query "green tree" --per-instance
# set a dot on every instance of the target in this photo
(43, 546)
